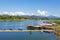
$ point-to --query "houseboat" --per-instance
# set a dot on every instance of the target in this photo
(43, 26)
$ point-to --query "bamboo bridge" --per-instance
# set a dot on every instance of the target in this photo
(27, 30)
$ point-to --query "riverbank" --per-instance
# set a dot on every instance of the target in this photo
(57, 28)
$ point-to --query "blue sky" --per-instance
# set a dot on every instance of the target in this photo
(31, 6)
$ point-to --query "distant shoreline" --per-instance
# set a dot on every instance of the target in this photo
(20, 18)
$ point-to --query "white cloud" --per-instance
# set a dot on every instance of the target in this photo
(42, 13)
(39, 12)
(15, 13)
(19, 13)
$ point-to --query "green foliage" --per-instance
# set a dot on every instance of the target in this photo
(16, 18)
(57, 21)
(13, 18)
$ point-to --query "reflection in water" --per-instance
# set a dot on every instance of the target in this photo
(27, 36)
(30, 35)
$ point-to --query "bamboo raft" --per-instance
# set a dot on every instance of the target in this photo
(27, 30)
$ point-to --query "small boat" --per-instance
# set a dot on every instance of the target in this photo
(10, 29)
(20, 29)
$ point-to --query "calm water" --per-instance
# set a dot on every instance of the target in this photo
(17, 25)
(24, 35)
(27, 36)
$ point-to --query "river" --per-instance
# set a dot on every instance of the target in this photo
(24, 35)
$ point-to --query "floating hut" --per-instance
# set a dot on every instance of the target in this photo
(44, 26)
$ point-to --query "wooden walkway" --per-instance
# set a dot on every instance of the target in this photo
(27, 30)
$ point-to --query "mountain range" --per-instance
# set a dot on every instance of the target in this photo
(34, 16)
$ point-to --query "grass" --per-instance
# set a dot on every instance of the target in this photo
(57, 28)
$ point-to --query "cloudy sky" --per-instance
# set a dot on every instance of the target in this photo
(30, 7)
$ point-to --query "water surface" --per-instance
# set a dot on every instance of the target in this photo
(24, 35)
(19, 25)
(27, 36)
